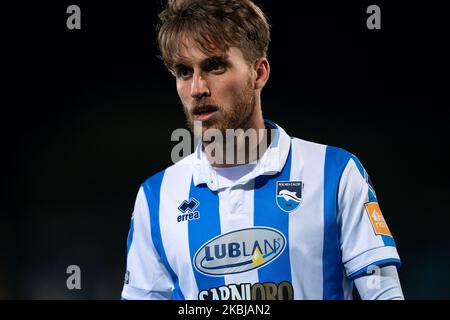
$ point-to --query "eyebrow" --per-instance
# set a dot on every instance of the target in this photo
(204, 63)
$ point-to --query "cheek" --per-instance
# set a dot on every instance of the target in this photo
(183, 91)
(230, 89)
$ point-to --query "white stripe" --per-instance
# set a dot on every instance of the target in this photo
(142, 248)
(148, 279)
(174, 190)
(357, 235)
(236, 212)
(306, 222)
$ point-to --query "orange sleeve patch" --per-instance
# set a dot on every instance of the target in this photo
(376, 219)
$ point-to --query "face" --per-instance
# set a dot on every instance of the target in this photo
(215, 89)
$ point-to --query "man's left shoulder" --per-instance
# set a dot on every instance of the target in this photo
(308, 146)
(333, 155)
(319, 148)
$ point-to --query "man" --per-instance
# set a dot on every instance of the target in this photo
(293, 220)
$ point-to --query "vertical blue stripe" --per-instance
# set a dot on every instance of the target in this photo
(152, 189)
(335, 161)
(204, 229)
(268, 214)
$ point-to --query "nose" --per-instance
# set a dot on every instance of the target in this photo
(199, 87)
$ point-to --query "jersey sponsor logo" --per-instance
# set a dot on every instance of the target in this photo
(376, 219)
(239, 251)
(248, 291)
(289, 195)
(188, 211)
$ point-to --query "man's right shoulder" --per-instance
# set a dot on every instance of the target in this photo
(179, 173)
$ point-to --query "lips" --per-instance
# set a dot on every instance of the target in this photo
(203, 113)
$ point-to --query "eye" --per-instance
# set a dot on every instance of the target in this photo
(216, 66)
(183, 72)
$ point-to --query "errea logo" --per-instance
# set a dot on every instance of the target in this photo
(239, 251)
(187, 209)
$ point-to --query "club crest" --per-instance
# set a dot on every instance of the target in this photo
(289, 195)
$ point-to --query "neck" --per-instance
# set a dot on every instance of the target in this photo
(243, 146)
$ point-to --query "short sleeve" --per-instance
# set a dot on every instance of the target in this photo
(146, 276)
(365, 238)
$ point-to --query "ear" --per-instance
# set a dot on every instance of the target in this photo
(262, 69)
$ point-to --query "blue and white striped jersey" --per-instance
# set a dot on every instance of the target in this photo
(302, 224)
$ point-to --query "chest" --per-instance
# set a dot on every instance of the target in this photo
(243, 228)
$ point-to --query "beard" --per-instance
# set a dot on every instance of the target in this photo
(235, 116)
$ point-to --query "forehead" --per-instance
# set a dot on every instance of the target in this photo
(191, 52)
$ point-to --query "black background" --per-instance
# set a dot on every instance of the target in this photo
(87, 116)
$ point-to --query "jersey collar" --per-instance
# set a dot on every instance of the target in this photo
(272, 161)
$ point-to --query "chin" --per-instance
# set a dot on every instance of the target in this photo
(212, 123)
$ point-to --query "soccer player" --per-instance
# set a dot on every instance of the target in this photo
(294, 220)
